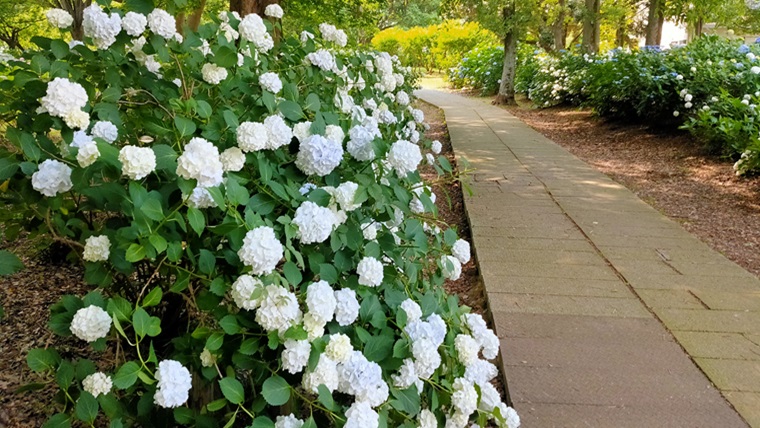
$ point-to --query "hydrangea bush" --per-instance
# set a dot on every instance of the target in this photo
(249, 213)
(480, 69)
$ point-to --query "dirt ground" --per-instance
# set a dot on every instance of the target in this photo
(667, 169)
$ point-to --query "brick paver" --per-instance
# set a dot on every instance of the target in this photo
(596, 295)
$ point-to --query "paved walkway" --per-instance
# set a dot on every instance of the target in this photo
(596, 295)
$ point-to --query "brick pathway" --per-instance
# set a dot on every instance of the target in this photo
(596, 295)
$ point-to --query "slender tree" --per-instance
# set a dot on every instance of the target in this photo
(655, 19)
(591, 25)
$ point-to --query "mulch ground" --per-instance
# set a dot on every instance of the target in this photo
(27, 296)
(670, 170)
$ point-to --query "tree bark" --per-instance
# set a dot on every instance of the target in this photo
(506, 94)
(246, 7)
(591, 26)
(559, 30)
(654, 23)
(75, 8)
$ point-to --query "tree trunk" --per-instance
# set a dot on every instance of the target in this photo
(245, 7)
(195, 19)
(559, 30)
(621, 33)
(506, 95)
(698, 27)
(654, 26)
(75, 8)
(591, 26)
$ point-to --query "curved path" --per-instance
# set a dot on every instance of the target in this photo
(610, 314)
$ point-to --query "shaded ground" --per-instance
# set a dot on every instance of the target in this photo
(668, 170)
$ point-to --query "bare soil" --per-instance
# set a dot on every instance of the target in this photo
(670, 170)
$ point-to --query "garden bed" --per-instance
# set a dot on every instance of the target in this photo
(28, 295)
(667, 169)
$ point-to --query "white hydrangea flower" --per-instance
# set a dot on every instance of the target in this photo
(347, 306)
(278, 310)
(322, 59)
(464, 398)
(63, 96)
(361, 415)
(426, 357)
(339, 348)
(52, 177)
(467, 349)
(59, 18)
(274, 11)
(457, 420)
(314, 223)
(404, 157)
(332, 34)
(370, 272)
(306, 188)
(207, 358)
(418, 115)
(233, 159)
(412, 309)
(325, 373)
(402, 98)
(80, 138)
(213, 74)
(319, 155)
(510, 414)
(360, 145)
(362, 379)
(320, 299)
(88, 153)
(369, 230)
(427, 419)
(407, 375)
(480, 372)
(200, 161)
(252, 28)
(289, 421)
(295, 356)
(101, 27)
(484, 335)
(261, 250)
(97, 383)
(345, 194)
(335, 133)
(451, 267)
(201, 198)
(90, 323)
(174, 383)
(270, 82)
(77, 119)
(134, 23)
(461, 250)
(436, 147)
(247, 292)
(252, 136)
(305, 36)
(97, 248)
(105, 130)
(302, 130)
(162, 23)
(278, 132)
(137, 162)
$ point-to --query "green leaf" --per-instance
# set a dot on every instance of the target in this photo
(310, 423)
(291, 110)
(166, 158)
(292, 273)
(327, 272)
(135, 253)
(276, 391)
(203, 109)
(119, 308)
(126, 376)
(158, 242)
(236, 193)
(9, 263)
(42, 359)
(407, 401)
(262, 422)
(229, 324)
(140, 6)
(326, 398)
(206, 261)
(153, 298)
(196, 219)
(215, 341)
(153, 210)
(7, 169)
(379, 348)
(65, 375)
(230, 119)
(225, 56)
(185, 126)
(59, 48)
(232, 390)
(313, 103)
(87, 407)
(59, 420)
(369, 306)
(141, 321)
(249, 346)
(216, 404)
